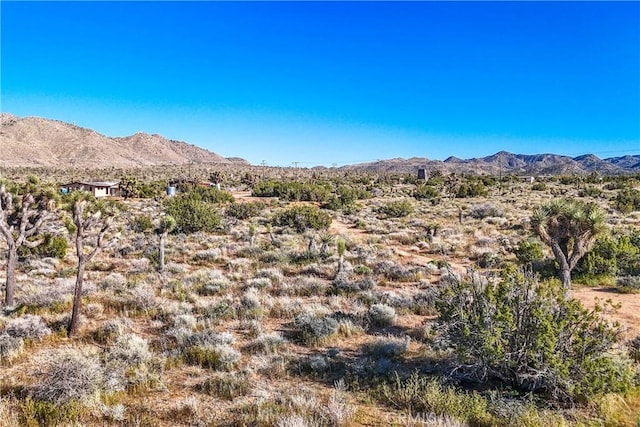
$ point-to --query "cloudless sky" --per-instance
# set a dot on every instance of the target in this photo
(333, 82)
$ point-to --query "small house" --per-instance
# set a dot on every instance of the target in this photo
(97, 188)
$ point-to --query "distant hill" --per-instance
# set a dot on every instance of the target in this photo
(33, 141)
(509, 163)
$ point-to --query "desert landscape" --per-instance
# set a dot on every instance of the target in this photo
(355, 296)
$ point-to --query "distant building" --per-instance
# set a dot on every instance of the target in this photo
(97, 188)
(422, 174)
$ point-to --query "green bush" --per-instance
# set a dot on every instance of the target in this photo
(244, 210)
(612, 255)
(471, 189)
(293, 190)
(539, 186)
(426, 192)
(192, 214)
(302, 218)
(211, 195)
(397, 208)
(628, 200)
(527, 335)
(529, 251)
(52, 246)
(142, 223)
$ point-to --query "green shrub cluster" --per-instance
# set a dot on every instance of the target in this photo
(302, 218)
(529, 251)
(426, 192)
(628, 200)
(211, 195)
(471, 189)
(293, 190)
(52, 246)
(527, 335)
(613, 255)
(397, 208)
(192, 214)
(244, 210)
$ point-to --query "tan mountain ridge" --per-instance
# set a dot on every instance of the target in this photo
(34, 141)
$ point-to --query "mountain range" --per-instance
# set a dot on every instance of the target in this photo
(38, 142)
(34, 141)
(505, 163)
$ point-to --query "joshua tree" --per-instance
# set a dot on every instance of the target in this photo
(569, 227)
(91, 221)
(167, 225)
(20, 220)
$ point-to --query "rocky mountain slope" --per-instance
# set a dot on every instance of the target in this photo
(33, 141)
(509, 163)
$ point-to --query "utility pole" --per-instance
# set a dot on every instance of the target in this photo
(295, 164)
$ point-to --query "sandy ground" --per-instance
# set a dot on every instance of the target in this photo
(628, 314)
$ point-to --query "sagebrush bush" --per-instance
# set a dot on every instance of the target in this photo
(312, 330)
(68, 375)
(27, 327)
(267, 343)
(220, 357)
(381, 315)
(388, 347)
(226, 385)
(485, 210)
(10, 347)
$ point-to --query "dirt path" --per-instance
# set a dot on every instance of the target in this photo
(628, 314)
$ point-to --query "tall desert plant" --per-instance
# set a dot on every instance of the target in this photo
(91, 221)
(24, 212)
(569, 227)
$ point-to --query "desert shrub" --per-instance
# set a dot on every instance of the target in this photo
(10, 347)
(342, 284)
(628, 284)
(529, 251)
(221, 357)
(397, 208)
(68, 375)
(27, 327)
(244, 210)
(421, 394)
(426, 192)
(129, 363)
(590, 191)
(528, 335)
(292, 190)
(192, 214)
(627, 200)
(388, 347)
(52, 246)
(612, 255)
(210, 195)
(109, 331)
(539, 186)
(381, 315)
(219, 312)
(485, 210)
(142, 223)
(302, 218)
(312, 330)
(226, 386)
(471, 189)
(267, 343)
(36, 412)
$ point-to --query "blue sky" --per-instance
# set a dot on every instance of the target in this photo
(334, 82)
